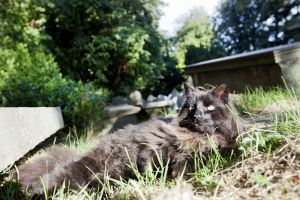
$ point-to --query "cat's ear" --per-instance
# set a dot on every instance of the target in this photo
(188, 89)
(222, 92)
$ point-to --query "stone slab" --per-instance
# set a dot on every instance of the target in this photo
(22, 128)
(122, 110)
(157, 104)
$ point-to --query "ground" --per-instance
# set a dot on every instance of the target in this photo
(266, 164)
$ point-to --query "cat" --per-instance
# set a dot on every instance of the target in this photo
(204, 115)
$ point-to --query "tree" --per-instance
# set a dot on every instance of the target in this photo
(172, 76)
(114, 44)
(195, 40)
(254, 24)
(29, 76)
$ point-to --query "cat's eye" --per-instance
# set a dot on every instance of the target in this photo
(211, 108)
(193, 107)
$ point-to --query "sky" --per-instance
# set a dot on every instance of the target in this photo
(177, 8)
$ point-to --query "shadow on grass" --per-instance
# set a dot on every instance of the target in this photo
(10, 190)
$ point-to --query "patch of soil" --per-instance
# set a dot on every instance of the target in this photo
(261, 176)
(275, 176)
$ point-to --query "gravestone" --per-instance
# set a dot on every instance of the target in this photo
(119, 116)
(136, 98)
(156, 108)
(22, 128)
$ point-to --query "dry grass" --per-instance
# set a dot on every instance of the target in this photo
(272, 176)
(261, 176)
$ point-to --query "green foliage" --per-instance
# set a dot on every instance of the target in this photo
(254, 24)
(113, 44)
(20, 22)
(171, 76)
(260, 179)
(197, 54)
(32, 78)
(195, 39)
(29, 74)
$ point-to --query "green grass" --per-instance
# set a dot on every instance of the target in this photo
(155, 180)
(254, 100)
(204, 170)
(83, 142)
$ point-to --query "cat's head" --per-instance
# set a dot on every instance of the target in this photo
(206, 111)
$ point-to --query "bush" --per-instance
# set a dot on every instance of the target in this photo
(30, 77)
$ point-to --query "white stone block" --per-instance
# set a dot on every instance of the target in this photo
(22, 128)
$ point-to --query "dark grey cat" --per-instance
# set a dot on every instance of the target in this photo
(204, 114)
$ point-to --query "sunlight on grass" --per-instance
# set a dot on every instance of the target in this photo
(153, 180)
(83, 142)
(204, 169)
(257, 99)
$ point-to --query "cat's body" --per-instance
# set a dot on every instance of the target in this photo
(204, 114)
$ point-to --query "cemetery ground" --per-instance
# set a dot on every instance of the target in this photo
(265, 164)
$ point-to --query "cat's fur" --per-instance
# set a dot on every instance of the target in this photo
(204, 114)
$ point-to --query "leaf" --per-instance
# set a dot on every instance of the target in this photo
(260, 179)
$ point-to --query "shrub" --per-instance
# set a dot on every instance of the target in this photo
(30, 77)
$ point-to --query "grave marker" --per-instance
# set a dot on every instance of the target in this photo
(22, 128)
